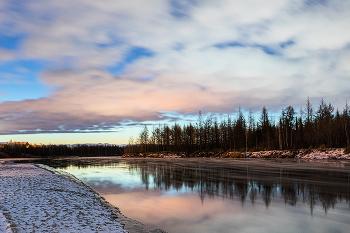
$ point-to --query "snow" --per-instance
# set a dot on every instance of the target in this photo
(325, 154)
(33, 199)
(329, 153)
(4, 224)
(338, 153)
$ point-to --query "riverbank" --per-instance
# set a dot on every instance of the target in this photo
(329, 153)
(320, 153)
(43, 199)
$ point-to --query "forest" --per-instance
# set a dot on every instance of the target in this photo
(45, 151)
(319, 127)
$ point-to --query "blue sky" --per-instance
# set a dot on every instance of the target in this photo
(94, 71)
(131, 56)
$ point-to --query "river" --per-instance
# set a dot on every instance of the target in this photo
(222, 195)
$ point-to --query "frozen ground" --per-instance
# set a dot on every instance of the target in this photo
(325, 154)
(329, 153)
(33, 199)
(338, 153)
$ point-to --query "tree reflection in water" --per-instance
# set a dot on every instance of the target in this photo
(313, 183)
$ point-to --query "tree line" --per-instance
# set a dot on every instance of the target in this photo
(320, 127)
(43, 151)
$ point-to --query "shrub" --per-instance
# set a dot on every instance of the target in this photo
(347, 150)
(322, 148)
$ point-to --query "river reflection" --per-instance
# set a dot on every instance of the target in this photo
(211, 195)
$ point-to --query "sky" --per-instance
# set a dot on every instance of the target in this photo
(86, 71)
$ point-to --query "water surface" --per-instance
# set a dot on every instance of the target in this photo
(223, 195)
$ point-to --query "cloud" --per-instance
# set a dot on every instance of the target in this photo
(209, 55)
(6, 55)
(94, 99)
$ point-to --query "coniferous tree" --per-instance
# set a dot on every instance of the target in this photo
(288, 126)
(200, 130)
(324, 116)
(144, 138)
(265, 129)
(309, 124)
(251, 129)
(239, 131)
(346, 120)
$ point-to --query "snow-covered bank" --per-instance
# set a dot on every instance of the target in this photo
(325, 154)
(330, 153)
(131, 225)
(36, 200)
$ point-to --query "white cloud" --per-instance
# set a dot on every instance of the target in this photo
(6, 55)
(94, 96)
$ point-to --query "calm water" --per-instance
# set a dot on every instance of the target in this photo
(210, 195)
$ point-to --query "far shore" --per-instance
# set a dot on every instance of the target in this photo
(321, 153)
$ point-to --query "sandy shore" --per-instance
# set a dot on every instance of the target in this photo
(37, 198)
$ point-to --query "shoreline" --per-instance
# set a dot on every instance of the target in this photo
(130, 225)
(38, 201)
(307, 154)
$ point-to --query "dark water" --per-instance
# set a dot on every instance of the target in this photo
(211, 195)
